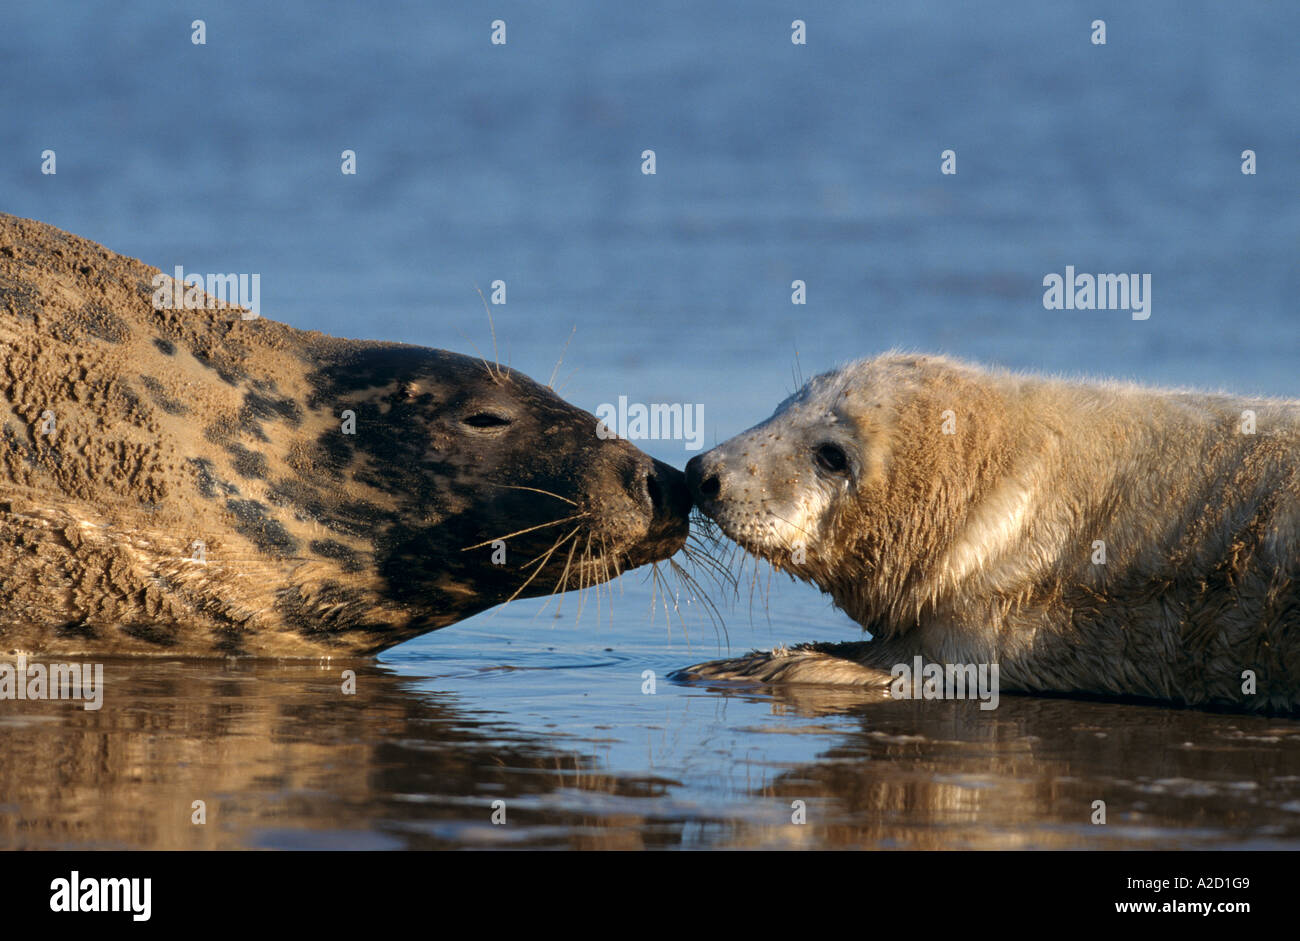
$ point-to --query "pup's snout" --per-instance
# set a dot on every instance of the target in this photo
(704, 480)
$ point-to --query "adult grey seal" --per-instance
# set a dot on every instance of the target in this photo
(1087, 537)
(190, 482)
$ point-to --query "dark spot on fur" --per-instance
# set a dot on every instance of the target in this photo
(28, 447)
(247, 463)
(208, 482)
(163, 635)
(329, 611)
(135, 410)
(161, 398)
(356, 518)
(23, 300)
(103, 323)
(267, 533)
(230, 641)
(336, 450)
(76, 629)
(377, 366)
(259, 407)
(399, 455)
(349, 560)
(221, 430)
(359, 519)
(228, 373)
(167, 347)
(297, 494)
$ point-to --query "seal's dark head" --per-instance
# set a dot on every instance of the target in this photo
(481, 485)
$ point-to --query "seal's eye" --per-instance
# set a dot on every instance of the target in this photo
(832, 459)
(485, 420)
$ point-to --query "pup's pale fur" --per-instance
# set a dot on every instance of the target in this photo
(983, 545)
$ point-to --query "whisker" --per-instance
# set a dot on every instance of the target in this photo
(661, 588)
(520, 532)
(654, 589)
(543, 556)
(609, 582)
(677, 606)
(691, 586)
(693, 583)
(694, 588)
(795, 525)
(496, 355)
(717, 571)
(558, 591)
(604, 571)
(753, 584)
(560, 390)
(486, 364)
(537, 490)
(551, 383)
(520, 589)
(582, 579)
(564, 576)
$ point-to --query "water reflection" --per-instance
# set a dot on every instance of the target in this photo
(945, 775)
(284, 759)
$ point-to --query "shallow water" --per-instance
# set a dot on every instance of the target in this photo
(555, 723)
(775, 163)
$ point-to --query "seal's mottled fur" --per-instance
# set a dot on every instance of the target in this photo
(178, 482)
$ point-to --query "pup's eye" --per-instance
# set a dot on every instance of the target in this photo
(832, 459)
(485, 420)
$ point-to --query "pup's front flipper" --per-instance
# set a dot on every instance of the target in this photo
(827, 664)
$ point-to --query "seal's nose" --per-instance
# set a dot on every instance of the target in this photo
(666, 488)
(703, 481)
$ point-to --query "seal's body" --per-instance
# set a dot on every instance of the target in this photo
(1087, 537)
(189, 482)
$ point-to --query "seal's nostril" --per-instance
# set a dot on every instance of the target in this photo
(664, 491)
(702, 480)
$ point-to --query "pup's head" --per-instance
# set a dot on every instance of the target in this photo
(851, 481)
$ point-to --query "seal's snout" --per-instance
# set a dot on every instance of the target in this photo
(704, 481)
(670, 499)
(663, 494)
(657, 522)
